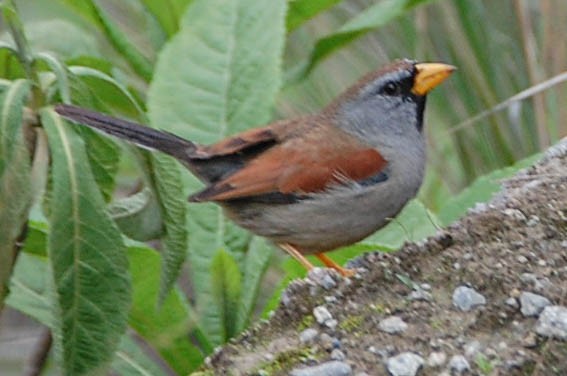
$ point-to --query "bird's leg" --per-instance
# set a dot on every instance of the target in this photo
(293, 252)
(333, 265)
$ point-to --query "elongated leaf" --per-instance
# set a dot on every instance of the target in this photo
(255, 265)
(104, 157)
(88, 262)
(130, 360)
(120, 41)
(30, 289)
(166, 328)
(60, 72)
(104, 89)
(226, 290)
(15, 180)
(217, 76)
(375, 16)
(301, 11)
(168, 186)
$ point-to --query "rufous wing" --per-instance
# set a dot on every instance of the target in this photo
(304, 163)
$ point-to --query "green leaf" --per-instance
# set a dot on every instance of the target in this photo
(481, 190)
(9, 64)
(104, 158)
(301, 11)
(31, 293)
(130, 360)
(375, 16)
(217, 76)
(88, 263)
(141, 64)
(255, 264)
(15, 179)
(36, 238)
(167, 13)
(31, 289)
(104, 88)
(60, 71)
(138, 216)
(167, 184)
(167, 328)
(226, 290)
(414, 223)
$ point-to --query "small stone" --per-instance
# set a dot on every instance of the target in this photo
(459, 365)
(330, 299)
(404, 364)
(522, 259)
(530, 340)
(392, 325)
(326, 341)
(515, 214)
(332, 368)
(337, 354)
(308, 335)
(331, 324)
(532, 304)
(322, 277)
(541, 262)
(425, 286)
(534, 220)
(512, 302)
(552, 322)
(420, 294)
(322, 314)
(472, 348)
(466, 298)
(436, 359)
(456, 266)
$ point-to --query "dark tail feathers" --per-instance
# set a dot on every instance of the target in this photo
(141, 135)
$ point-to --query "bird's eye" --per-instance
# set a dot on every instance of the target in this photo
(391, 88)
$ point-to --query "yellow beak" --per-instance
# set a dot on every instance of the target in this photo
(430, 75)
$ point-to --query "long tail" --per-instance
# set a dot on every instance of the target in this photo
(141, 135)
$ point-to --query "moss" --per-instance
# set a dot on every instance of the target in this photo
(307, 322)
(287, 360)
(351, 323)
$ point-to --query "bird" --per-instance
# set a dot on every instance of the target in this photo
(314, 183)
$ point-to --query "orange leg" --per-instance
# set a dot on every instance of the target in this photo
(333, 265)
(293, 252)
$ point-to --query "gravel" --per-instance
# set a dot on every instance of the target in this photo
(459, 365)
(333, 368)
(322, 314)
(308, 335)
(552, 322)
(392, 325)
(404, 364)
(532, 304)
(466, 298)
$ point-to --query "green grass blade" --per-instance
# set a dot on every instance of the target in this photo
(301, 11)
(141, 64)
(227, 289)
(375, 16)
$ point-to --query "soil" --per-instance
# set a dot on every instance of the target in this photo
(515, 244)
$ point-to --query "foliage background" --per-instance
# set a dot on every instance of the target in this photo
(142, 60)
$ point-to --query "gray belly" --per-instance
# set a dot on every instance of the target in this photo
(325, 221)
